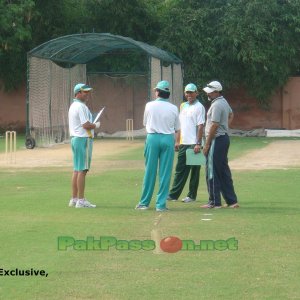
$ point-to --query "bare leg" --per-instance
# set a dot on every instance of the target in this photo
(81, 184)
(74, 185)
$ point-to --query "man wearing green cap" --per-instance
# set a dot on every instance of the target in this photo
(161, 121)
(192, 119)
(81, 129)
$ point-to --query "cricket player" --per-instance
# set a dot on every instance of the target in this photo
(218, 174)
(81, 129)
(192, 119)
(161, 119)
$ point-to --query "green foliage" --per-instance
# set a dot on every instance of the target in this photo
(15, 34)
(263, 37)
(122, 17)
(253, 44)
(250, 44)
(53, 19)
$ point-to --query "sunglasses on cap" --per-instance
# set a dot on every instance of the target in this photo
(190, 92)
(212, 87)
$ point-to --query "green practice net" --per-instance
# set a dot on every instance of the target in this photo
(50, 93)
(122, 72)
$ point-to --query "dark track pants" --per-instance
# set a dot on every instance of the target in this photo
(218, 174)
(182, 172)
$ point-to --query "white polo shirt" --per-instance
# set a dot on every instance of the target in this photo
(79, 114)
(191, 116)
(161, 116)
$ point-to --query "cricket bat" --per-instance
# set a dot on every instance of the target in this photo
(99, 114)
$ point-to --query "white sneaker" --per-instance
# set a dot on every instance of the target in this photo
(187, 200)
(84, 203)
(141, 207)
(73, 202)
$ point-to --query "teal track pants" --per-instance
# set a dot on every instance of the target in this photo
(159, 153)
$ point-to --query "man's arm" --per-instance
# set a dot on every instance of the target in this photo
(88, 125)
(83, 113)
(210, 137)
(197, 147)
(177, 140)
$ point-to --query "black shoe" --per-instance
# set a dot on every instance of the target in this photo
(171, 199)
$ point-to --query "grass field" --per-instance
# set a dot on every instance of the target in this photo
(34, 214)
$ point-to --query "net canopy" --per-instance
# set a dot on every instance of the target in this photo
(82, 48)
(123, 73)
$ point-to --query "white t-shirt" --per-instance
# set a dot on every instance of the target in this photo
(191, 116)
(161, 116)
(79, 114)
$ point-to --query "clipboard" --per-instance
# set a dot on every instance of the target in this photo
(99, 114)
(195, 159)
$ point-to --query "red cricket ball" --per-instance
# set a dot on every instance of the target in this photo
(171, 244)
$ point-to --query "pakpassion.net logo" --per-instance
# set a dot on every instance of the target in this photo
(170, 244)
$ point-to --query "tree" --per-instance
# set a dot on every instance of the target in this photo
(254, 44)
(53, 19)
(132, 19)
(122, 17)
(15, 36)
(37, 21)
(263, 37)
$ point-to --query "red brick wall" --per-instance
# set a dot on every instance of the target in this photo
(284, 110)
(121, 104)
(13, 109)
(291, 104)
(248, 115)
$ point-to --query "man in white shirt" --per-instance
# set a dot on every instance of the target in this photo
(161, 121)
(192, 119)
(81, 129)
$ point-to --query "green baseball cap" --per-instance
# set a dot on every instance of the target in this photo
(163, 86)
(190, 88)
(81, 87)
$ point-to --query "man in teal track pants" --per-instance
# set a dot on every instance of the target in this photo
(161, 119)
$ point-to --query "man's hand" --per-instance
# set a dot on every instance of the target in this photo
(197, 148)
(210, 137)
(88, 125)
(177, 140)
(206, 149)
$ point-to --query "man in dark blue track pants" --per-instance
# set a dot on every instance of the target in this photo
(218, 174)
